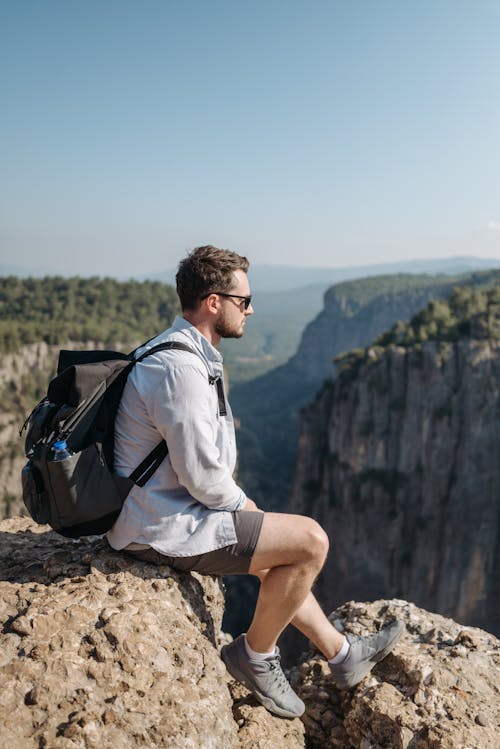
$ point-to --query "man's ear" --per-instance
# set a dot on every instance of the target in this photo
(211, 303)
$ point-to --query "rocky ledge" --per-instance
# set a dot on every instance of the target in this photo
(439, 689)
(98, 650)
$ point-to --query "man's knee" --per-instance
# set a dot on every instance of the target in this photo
(316, 541)
(289, 539)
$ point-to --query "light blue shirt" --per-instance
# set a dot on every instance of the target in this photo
(185, 507)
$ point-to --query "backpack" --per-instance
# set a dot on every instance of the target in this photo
(81, 495)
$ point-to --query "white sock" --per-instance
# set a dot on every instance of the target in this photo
(341, 654)
(253, 655)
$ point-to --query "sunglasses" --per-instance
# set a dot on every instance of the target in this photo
(247, 300)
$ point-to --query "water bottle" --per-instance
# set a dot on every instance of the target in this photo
(60, 449)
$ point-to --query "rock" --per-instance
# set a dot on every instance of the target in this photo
(100, 650)
(398, 462)
(424, 695)
(354, 314)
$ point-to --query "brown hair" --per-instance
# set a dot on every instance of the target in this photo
(205, 270)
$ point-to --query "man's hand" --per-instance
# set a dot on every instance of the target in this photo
(251, 506)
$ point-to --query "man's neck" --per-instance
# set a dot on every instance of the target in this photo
(202, 326)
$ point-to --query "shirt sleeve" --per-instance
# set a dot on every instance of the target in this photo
(183, 407)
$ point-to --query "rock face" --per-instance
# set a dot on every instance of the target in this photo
(98, 650)
(101, 651)
(401, 465)
(354, 314)
(439, 689)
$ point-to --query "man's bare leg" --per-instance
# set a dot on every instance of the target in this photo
(289, 555)
(310, 619)
(290, 552)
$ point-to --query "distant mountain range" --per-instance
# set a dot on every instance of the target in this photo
(284, 277)
(274, 278)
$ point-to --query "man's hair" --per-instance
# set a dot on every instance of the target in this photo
(205, 270)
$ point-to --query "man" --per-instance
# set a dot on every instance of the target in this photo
(192, 515)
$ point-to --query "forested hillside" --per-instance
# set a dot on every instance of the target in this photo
(56, 310)
(354, 314)
(399, 459)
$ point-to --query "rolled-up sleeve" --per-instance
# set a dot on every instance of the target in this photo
(182, 405)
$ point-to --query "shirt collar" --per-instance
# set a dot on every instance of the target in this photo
(181, 325)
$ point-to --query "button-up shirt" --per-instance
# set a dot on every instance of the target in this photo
(185, 507)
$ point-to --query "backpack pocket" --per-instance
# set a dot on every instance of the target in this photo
(84, 491)
(35, 497)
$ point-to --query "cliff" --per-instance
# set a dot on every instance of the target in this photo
(354, 314)
(101, 651)
(439, 689)
(399, 461)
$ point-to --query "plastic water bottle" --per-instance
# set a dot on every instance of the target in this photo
(60, 450)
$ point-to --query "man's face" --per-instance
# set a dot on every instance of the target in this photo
(232, 315)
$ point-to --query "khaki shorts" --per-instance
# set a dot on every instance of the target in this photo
(230, 560)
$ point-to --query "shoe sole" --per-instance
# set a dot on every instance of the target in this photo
(268, 703)
(359, 674)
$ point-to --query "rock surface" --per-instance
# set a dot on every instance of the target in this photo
(98, 650)
(439, 689)
(400, 464)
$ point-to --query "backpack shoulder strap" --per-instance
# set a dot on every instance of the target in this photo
(151, 462)
(184, 347)
(167, 346)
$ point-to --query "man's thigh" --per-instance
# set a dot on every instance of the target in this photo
(288, 539)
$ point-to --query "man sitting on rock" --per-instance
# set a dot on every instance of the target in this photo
(193, 516)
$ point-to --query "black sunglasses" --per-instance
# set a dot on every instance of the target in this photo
(247, 300)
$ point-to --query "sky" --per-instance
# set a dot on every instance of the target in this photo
(303, 133)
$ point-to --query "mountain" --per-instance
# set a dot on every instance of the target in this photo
(275, 278)
(354, 314)
(273, 333)
(399, 460)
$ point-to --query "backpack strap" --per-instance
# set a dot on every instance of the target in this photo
(166, 347)
(141, 475)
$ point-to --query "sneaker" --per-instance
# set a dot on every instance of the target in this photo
(364, 654)
(265, 679)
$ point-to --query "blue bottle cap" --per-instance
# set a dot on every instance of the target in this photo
(60, 445)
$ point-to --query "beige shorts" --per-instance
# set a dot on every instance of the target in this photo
(230, 560)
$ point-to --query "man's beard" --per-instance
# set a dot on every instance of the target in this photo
(226, 329)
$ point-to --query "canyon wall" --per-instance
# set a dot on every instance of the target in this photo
(399, 460)
(354, 314)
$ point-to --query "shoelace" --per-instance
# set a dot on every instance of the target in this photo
(275, 667)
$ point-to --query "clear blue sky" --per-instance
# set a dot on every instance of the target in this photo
(304, 133)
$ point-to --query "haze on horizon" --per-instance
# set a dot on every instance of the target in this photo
(308, 134)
